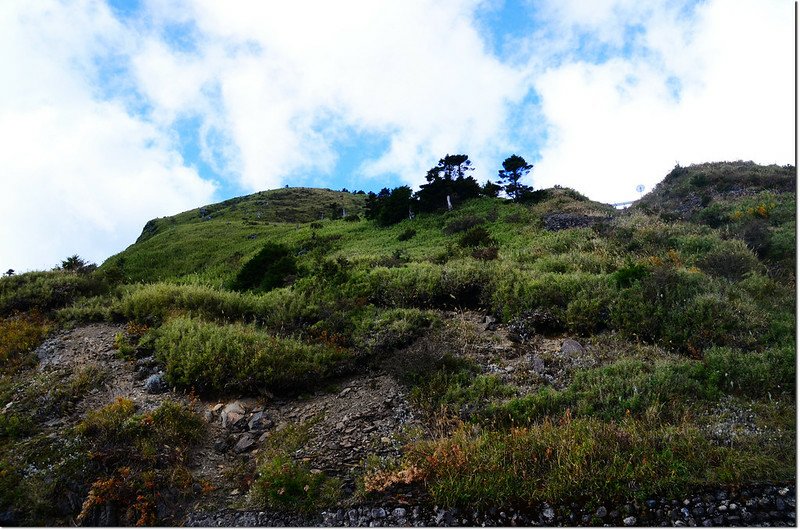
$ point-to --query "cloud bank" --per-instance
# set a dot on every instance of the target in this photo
(114, 117)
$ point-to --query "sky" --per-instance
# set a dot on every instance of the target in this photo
(116, 112)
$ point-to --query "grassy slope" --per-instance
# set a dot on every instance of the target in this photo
(190, 248)
(211, 245)
(699, 274)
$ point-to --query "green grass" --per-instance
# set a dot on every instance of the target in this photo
(581, 459)
(285, 484)
(686, 300)
(634, 386)
(220, 359)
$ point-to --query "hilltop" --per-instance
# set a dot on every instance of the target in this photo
(280, 359)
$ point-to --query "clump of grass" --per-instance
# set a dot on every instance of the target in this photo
(60, 397)
(21, 333)
(216, 359)
(283, 483)
(578, 459)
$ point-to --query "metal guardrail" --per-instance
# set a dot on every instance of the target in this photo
(622, 204)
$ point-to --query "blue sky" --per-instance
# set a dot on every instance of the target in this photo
(122, 111)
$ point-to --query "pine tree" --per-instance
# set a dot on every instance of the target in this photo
(514, 169)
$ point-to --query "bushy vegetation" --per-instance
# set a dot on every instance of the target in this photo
(219, 359)
(138, 457)
(21, 333)
(578, 459)
(45, 291)
(283, 291)
(286, 484)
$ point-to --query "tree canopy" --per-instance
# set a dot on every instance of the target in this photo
(514, 169)
(448, 184)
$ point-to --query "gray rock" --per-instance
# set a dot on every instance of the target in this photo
(548, 514)
(399, 513)
(629, 521)
(155, 384)
(536, 363)
(245, 443)
(232, 414)
(259, 421)
(601, 512)
(572, 347)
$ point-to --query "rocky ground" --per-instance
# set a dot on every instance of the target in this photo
(754, 506)
(370, 414)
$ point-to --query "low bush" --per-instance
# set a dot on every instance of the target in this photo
(383, 331)
(731, 263)
(218, 359)
(406, 234)
(517, 292)
(138, 460)
(267, 270)
(631, 386)
(286, 484)
(21, 333)
(456, 389)
(462, 224)
(476, 237)
(45, 291)
(485, 254)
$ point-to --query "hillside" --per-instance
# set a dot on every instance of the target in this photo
(554, 362)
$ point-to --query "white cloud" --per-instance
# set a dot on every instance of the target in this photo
(616, 124)
(418, 71)
(79, 174)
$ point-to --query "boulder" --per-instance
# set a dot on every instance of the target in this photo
(572, 347)
(245, 443)
(155, 384)
(259, 422)
(232, 415)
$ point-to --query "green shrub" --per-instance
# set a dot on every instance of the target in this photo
(645, 308)
(385, 331)
(217, 359)
(21, 333)
(516, 292)
(151, 303)
(462, 224)
(476, 237)
(267, 270)
(753, 373)
(731, 263)
(45, 291)
(630, 273)
(588, 312)
(457, 390)
(285, 484)
(406, 234)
